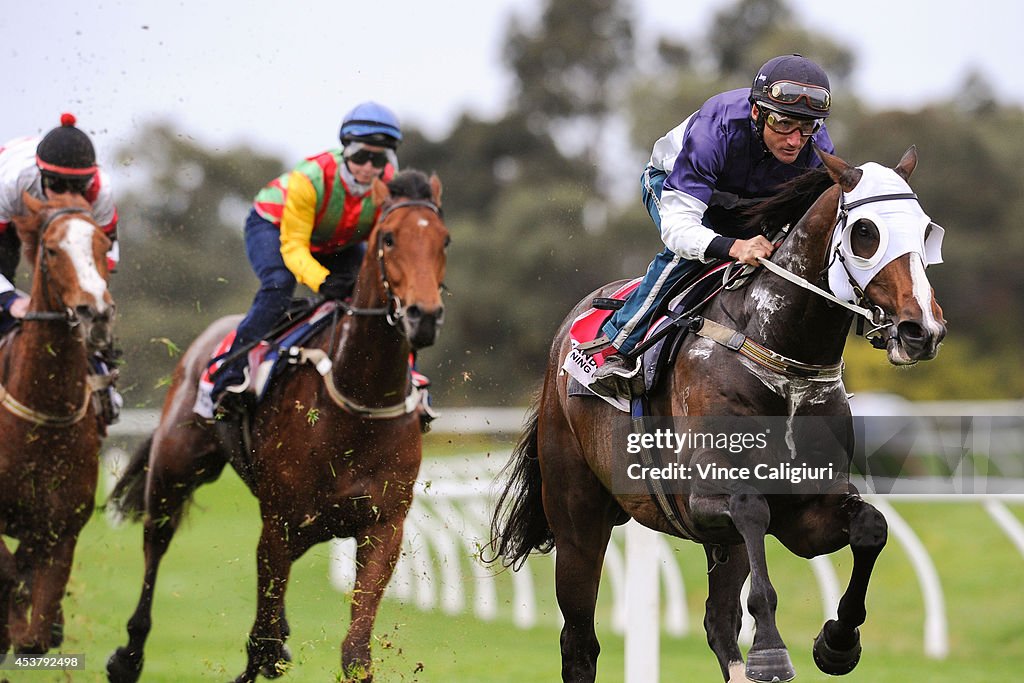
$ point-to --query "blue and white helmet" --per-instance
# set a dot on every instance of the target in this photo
(373, 124)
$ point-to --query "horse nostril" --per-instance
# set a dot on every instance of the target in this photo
(912, 333)
(84, 313)
(413, 312)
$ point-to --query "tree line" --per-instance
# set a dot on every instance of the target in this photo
(543, 205)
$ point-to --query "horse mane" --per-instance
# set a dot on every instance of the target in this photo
(410, 184)
(792, 201)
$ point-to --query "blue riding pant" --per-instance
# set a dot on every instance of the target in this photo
(628, 325)
(277, 285)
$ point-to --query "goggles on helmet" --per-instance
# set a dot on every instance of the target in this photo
(790, 92)
(785, 125)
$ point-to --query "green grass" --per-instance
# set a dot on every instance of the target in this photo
(205, 606)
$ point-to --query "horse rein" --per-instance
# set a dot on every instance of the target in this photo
(392, 313)
(93, 383)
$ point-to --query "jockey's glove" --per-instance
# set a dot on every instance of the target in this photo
(336, 286)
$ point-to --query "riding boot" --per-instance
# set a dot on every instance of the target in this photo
(619, 376)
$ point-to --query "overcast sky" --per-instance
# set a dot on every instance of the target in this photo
(281, 75)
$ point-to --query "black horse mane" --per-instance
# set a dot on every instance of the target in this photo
(791, 202)
(411, 184)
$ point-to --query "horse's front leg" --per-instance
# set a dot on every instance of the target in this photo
(837, 648)
(377, 554)
(768, 659)
(723, 614)
(49, 579)
(8, 580)
(267, 654)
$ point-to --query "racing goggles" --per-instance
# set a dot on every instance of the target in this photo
(785, 125)
(360, 157)
(788, 92)
(65, 185)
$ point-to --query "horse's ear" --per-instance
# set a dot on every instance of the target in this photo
(435, 190)
(379, 191)
(845, 175)
(31, 203)
(27, 226)
(908, 163)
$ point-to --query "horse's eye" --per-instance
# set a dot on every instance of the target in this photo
(447, 241)
(388, 239)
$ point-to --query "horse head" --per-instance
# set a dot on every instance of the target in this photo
(882, 243)
(68, 252)
(409, 243)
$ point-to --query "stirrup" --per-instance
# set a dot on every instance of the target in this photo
(621, 380)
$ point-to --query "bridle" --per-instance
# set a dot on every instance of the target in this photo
(393, 310)
(93, 382)
(879, 334)
(68, 316)
(863, 306)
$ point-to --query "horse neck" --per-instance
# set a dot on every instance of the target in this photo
(787, 318)
(45, 366)
(371, 360)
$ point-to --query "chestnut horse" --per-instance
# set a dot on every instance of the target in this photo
(49, 453)
(562, 493)
(342, 465)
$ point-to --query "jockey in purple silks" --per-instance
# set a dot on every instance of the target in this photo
(733, 151)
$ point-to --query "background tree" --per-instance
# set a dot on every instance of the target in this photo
(541, 212)
(183, 262)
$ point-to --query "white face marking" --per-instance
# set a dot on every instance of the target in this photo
(423, 222)
(923, 294)
(77, 244)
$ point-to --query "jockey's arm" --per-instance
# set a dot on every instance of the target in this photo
(683, 232)
(297, 231)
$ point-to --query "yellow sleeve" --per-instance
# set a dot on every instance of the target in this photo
(297, 231)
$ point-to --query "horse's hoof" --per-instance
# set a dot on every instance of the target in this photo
(832, 660)
(276, 669)
(56, 635)
(122, 667)
(770, 666)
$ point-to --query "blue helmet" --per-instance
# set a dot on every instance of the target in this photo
(373, 124)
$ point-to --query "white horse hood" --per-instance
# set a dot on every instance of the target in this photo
(884, 198)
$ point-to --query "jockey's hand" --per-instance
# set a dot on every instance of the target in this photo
(335, 287)
(19, 307)
(748, 251)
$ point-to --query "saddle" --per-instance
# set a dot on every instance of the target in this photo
(662, 341)
(271, 357)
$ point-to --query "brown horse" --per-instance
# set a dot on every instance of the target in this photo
(781, 356)
(332, 455)
(49, 453)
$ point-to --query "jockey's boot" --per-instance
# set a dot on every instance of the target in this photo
(619, 376)
(228, 392)
(104, 376)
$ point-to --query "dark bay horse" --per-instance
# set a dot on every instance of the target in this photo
(49, 450)
(331, 456)
(562, 490)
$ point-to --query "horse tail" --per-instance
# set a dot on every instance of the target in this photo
(519, 525)
(129, 495)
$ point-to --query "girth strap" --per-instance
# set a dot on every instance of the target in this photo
(765, 357)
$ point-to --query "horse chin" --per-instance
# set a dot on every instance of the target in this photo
(97, 337)
(897, 353)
